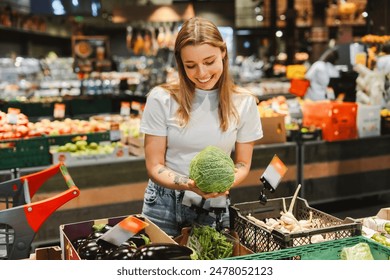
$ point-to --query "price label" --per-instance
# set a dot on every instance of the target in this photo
(125, 108)
(275, 171)
(115, 133)
(136, 106)
(59, 111)
(12, 115)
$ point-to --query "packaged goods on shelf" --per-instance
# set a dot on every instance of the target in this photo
(337, 120)
(262, 238)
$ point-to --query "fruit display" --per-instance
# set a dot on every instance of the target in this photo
(129, 126)
(82, 152)
(67, 126)
(385, 113)
(273, 107)
(378, 227)
(17, 126)
(83, 148)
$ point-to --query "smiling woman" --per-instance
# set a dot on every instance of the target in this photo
(203, 65)
(177, 117)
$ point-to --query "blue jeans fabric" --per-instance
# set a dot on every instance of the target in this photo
(164, 207)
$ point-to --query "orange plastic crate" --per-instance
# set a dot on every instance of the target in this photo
(337, 120)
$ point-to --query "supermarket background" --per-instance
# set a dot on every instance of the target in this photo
(72, 77)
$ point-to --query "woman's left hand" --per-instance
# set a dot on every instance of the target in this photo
(193, 187)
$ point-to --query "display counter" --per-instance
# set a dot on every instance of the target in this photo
(331, 171)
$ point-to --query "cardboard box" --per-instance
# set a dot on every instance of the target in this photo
(136, 146)
(337, 120)
(274, 130)
(384, 213)
(70, 232)
(47, 253)
(368, 120)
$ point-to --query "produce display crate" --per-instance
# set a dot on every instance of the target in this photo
(21, 217)
(337, 120)
(69, 138)
(21, 153)
(327, 250)
(261, 239)
(72, 231)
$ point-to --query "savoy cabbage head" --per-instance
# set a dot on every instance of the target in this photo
(212, 170)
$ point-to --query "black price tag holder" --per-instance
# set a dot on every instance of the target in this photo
(271, 177)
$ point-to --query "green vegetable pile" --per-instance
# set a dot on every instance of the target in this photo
(209, 244)
(212, 170)
(381, 239)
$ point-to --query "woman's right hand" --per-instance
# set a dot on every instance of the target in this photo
(193, 187)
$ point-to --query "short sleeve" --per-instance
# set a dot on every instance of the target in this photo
(154, 116)
(250, 128)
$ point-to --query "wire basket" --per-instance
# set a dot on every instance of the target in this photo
(261, 239)
(21, 219)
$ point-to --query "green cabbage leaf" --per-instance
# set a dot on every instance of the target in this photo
(212, 170)
(360, 251)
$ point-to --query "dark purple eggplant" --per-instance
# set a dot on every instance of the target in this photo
(139, 239)
(90, 250)
(78, 241)
(106, 248)
(95, 235)
(163, 251)
(123, 252)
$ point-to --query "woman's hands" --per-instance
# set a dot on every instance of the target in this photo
(193, 187)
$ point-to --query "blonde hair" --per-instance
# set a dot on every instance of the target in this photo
(197, 31)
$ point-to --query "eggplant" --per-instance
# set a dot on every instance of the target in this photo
(163, 251)
(139, 240)
(90, 250)
(123, 252)
(78, 241)
(95, 235)
(106, 248)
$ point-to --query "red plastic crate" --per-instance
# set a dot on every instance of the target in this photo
(337, 120)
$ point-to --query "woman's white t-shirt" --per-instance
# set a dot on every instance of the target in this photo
(183, 143)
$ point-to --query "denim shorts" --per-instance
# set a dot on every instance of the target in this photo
(164, 207)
